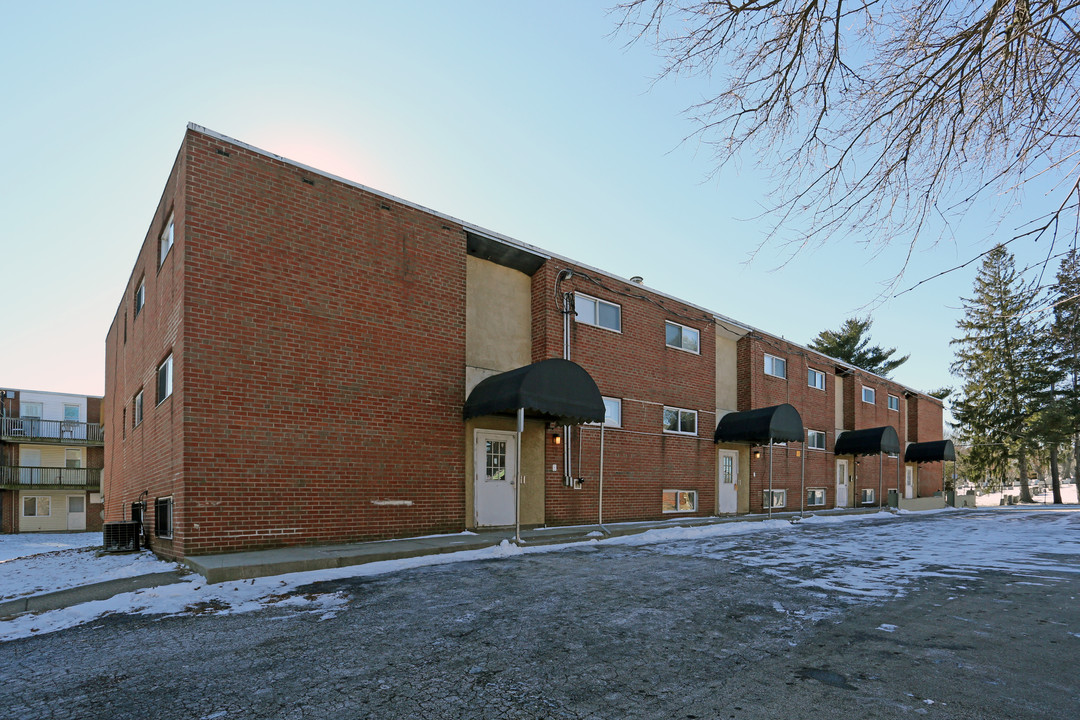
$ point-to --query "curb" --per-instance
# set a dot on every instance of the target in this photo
(87, 593)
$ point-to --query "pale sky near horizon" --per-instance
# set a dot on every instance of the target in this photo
(531, 119)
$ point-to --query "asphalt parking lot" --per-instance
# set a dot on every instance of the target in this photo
(746, 625)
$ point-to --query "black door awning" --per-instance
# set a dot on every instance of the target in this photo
(555, 390)
(870, 441)
(779, 423)
(935, 451)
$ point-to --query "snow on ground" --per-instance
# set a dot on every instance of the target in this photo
(1068, 496)
(847, 558)
(16, 546)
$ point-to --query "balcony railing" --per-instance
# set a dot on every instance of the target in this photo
(40, 477)
(68, 432)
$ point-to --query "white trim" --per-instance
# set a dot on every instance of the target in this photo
(678, 497)
(863, 494)
(167, 365)
(775, 358)
(824, 382)
(163, 250)
(599, 302)
(824, 496)
(172, 517)
(889, 402)
(873, 392)
(824, 440)
(781, 493)
(37, 498)
(682, 335)
(680, 411)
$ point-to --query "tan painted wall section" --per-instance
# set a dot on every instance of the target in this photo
(532, 451)
(727, 380)
(838, 411)
(498, 320)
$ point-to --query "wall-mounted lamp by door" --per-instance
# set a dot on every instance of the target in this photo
(556, 439)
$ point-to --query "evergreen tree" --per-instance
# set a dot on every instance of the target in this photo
(1065, 332)
(1002, 361)
(851, 343)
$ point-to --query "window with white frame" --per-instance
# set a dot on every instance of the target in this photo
(163, 517)
(140, 297)
(612, 412)
(774, 499)
(867, 496)
(593, 311)
(677, 420)
(682, 337)
(72, 413)
(777, 367)
(815, 439)
(815, 497)
(137, 409)
(72, 458)
(36, 506)
(869, 395)
(894, 403)
(815, 378)
(164, 379)
(680, 501)
(166, 241)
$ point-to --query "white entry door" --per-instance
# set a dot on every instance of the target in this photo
(727, 493)
(842, 484)
(76, 512)
(909, 482)
(495, 467)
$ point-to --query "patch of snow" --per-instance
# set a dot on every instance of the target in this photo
(25, 544)
(886, 627)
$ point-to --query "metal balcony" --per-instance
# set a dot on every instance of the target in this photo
(52, 478)
(52, 432)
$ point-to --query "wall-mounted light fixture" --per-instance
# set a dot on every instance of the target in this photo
(757, 454)
(798, 453)
(556, 439)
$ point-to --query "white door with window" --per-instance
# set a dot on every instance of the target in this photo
(76, 512)
(495, 469)
(727, 493)
(842, 484)
(909, 482)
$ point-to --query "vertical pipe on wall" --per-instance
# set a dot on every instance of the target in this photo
(520, 477)
(880, 477)
(600, 500)
(802, 478)
(568, 310)
(770, 479)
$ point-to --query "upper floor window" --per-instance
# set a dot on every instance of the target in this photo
(612, 412)
(593, 311)
(677, 420)
(137, 409)
(140, 297)
(72, 413)
(869, 395)
(777, 367)
(815, 378)
(164, 379)
(30, 409)
(166, 241)
(815, 439)
(682, 337)
(894, 403)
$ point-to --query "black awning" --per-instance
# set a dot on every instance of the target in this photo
(779, 423)
(868, 442)
(934, 451)
(555, 390)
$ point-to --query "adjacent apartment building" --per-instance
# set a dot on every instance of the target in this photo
(299, 359)
(51, 458)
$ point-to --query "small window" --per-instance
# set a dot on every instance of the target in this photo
(592, 311)
(682, 337)
(778, 498)
(815, 439)
(137, 409)
(72, 458)
(163, 517)
(677, 420)
(164, 380)
(72, 413)
(680, 501)
(867, 496)
(31, 410)
(36, 506)
(166, 241)
(123, 424)
(815, 378)
(894, 403)
(869, 395)
(777, 367)
(613, 412)
(815, 497)
(140, 297)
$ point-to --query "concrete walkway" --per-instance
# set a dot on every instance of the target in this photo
(262, 563)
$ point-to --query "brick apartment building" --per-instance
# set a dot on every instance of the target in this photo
(51, 456)
(299, 359)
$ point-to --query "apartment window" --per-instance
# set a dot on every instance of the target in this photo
(72, 458)
(894, 403)
(593, 311)
(774, 499)
(30, 410)
(163, 517)
(677, 420)
(123, 424)
(869, 395)
(140, 297)
(682, 337)
(166, 241)
(777, 367)
(867, 497)
(680, 501)
(815, 439)
(36, 506)
(613, 412)
(137, 409)
(72, 413)
(164, 379)
(815, 378)
(815, 497)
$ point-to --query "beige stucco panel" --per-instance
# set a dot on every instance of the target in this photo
(727, 373)
(498, 316)
(838, 410)
(532, 452)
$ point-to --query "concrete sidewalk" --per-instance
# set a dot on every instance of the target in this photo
(262, 563)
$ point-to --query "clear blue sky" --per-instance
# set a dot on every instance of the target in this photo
(528, 118)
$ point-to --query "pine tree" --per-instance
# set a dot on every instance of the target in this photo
(1006, 379)
(1065, 332)
(851, 343)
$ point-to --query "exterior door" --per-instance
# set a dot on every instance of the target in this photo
(909, 482)
(76, 512)
(727, 493)
(842, 484)
(494, 472)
